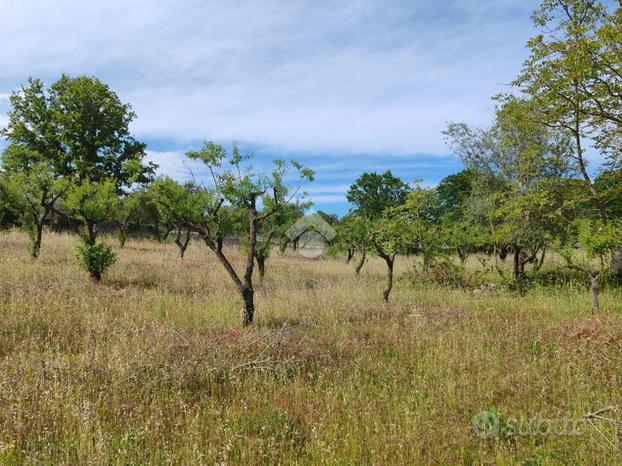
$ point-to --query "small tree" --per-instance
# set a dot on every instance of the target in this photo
(372, 194)
(35, 192)
(175, 203)
(131, 207)
(241, 187)
(599, 243)
(92, 204)
(273, 229)
(354, 233)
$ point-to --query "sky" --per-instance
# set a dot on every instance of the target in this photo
(341, 86)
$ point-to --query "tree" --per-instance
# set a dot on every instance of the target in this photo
(76, 131)
(93, 126)
(93, 203)
(131, 207)
(241, 187)
(35, 192)
(559, 73)
(354, 233)
(454, 195)
(273, 229)
(521, 168)
(411, 225)
(33, 162)
(175, 204)
(372, 193)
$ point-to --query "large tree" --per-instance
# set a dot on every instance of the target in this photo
(521, 168)
(77, 130)
(372, 193)
(560, 75)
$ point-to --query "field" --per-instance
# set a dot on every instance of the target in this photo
(152, 366)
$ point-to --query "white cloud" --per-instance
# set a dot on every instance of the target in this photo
(365, 75)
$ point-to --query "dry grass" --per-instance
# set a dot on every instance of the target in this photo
(151, 366)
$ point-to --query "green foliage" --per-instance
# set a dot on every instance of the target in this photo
(96, 257)
(93, 202)
(373, 193)
(444, 272)
(597, 240)
(10, 203)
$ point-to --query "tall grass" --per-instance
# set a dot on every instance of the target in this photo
(152, 365)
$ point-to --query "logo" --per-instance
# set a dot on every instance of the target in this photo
(486, 425)
(311, 235)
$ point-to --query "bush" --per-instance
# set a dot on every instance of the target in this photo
(96, 257)
(442, 272)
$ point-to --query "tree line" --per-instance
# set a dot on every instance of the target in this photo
(526, 189)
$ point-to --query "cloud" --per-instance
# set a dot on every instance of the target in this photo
(372, 76)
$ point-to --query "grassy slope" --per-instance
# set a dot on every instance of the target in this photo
(152, 365)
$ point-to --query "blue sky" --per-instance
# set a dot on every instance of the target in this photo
(342, 86)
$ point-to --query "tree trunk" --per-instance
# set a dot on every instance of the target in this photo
(462, 255)
(582, 168)
(390, 260)
(36, 241)
(182, 244)
(516, 271)
(361, 262)
(90, 228)
(261, 268)
(157, 232)
(247, 290)
(595, 291)
(350, 255)
(249, 306)
(122, 232)
(616, 262)
(539, 262)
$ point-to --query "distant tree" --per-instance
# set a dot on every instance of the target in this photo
(354, 236)
(273, 229)
(411, 225)
(372, 193)
(331, 219)
(175, 204)
(132, 207)
(517, 160)
(455, 194)
(241, 187)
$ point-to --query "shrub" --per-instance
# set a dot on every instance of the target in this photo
(96, 257)
(443, 272)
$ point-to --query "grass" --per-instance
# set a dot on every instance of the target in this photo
(152, 365)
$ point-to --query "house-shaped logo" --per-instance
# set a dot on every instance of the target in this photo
(310, 235)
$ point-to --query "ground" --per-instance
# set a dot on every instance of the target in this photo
(152, 365)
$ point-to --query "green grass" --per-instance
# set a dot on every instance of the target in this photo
(152, 366)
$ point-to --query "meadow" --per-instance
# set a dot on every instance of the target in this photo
(152, 365)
